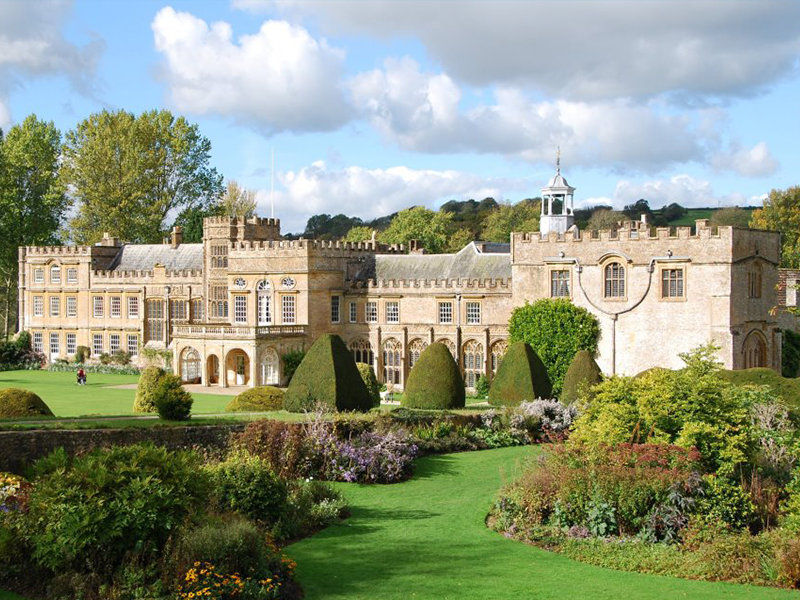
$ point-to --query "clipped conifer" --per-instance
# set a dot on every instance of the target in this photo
(327, 375)
(435, 381)
(368, 376)
(583, 373)
(145, 390)
(15, 403)
(521, 376)
(257, 399)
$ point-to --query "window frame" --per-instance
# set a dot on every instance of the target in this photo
(133, 307)
(38, 306)
(54, 303)
(441, 304)
(72, 275)
(240, 309)
(95, 338)
(115, 302)
(111, 344)
(98, 309)
(37, 342)
(336, 308)
(38, 275)
(608, 283)
(135, 345)
(371, 311)
(71, 343)
(678, 281)
(353, 312)
(470, 319)
(72, 306)
(395, 312)
(55, 270)
(289, 307)
(51, 347)
(561, 282)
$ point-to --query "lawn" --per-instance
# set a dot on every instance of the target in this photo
(67, 399)
(426, 539)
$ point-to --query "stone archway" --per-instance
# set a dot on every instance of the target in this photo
(237, 365)
(754, 350)
(269, 368)
(190, 366)
(212, 369)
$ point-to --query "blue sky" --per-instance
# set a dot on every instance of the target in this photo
(375, 106)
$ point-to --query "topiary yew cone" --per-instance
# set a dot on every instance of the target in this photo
(520, 377)
(583, 373)
(16, 403)
(327, 375)
(435, 381)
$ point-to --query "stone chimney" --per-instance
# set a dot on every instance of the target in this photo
(414, 247)
(108, 240)
(644, 220)
(176, 237)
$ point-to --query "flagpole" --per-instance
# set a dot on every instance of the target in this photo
(272, 186)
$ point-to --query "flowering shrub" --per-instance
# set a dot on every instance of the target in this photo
(553, 416)
(203, 581)
(13, 490)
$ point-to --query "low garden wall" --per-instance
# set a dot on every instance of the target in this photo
(18, 449)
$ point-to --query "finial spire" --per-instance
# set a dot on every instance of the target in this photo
(558, 159)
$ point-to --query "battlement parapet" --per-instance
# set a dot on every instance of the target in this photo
(242, 221)
(303, 244)
(503, 283)
(702, 231)
(146, 274)
(57, 250)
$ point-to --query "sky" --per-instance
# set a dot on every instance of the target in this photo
(372, 107)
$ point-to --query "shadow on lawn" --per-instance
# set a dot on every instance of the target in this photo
(430, 466)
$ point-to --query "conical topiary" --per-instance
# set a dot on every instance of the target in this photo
(145, 390)
(327, 375)
(369, 379)
(15, 402)
(583, 373)
(435, 381)
(521, 376)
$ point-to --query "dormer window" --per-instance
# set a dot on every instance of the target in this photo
(614, 277)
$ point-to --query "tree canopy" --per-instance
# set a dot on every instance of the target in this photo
(507, 218)
(419, 223)
(604, 218)
(238, 201)
(731, 215)
(126, 173)
(781, 212)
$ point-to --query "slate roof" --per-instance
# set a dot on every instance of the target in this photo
(143, 257)
(494, 262)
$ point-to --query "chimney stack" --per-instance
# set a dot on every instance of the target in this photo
(176, 237)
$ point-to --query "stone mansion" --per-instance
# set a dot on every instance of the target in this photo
(228, 308)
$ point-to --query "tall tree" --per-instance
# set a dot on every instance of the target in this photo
(127, 173)
(507, 218)
(32, 201)
(359, 233)
(781, 212)
(731, 215)
(604, 218)
(430, 228)
(238, 201)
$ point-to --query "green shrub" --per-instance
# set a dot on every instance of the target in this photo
(291, 360)
(520, 376)
(435, 381)
(258, 399)
(368, 376)
(121, 357)
(145, 390)
(724, 501)
(556, 330)
(327, 375)
(17, 403)
(583, 373)
(787, 388)
(312, 505)
(87, 513)
(482, 387)
(173, 403)
(790, 353)
(82, 353)
(247, 485)
(105, 358)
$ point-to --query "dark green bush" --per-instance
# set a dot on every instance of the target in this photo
(121, 357)
(82, 353)
(145, 390)
(435, 381)
(105, 358)
(328, 376)
(17, 403)
(482, 387)
(556, 330)
(583, 373)
(291, 360)
(373, 387)
(87, 513)
(173, 403)
(247, 485)
(258, 399)
(520, 377)
(790, 353)
(788, 388)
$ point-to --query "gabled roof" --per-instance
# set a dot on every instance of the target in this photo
(477, 260)
(143, 257)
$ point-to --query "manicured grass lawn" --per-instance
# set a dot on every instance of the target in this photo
(67, 399)
(426, 539)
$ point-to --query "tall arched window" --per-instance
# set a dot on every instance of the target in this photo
(450, 346)
(361, 350)
(415, 348)
(190, 366)
(264, 291)
(392, 365)
(499, 350)
(270, 374)
(755, 351)
(473, 362)
(614, 280)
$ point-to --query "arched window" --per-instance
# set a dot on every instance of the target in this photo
(753, 281)
(264, 291)
(499, 350)
(270, 363)
(614, 280)
(473, 362)
(392, 366)
(362, 351)
(450, 346)
(415, 348)
(755, 351)
(190, 366)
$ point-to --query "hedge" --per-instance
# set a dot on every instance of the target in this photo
(95, 368)
(435, 381)
(258, 399)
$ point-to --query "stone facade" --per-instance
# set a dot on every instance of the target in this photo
(229, 308)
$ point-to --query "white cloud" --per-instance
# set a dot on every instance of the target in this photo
(5, 116)
(683, 189)
(277, 79)
(421, 112)
(370, 193)
(757, 161)
(32, 45)
(583, 49)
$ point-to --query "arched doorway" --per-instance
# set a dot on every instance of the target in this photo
(238, 366)
(190, 366)
(755, 351)
(212, 366)
(270, 368)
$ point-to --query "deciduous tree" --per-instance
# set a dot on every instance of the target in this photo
(419, 223)
(238, 201)
(507, 218)
(781, 212)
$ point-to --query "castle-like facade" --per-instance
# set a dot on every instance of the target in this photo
(230, 307)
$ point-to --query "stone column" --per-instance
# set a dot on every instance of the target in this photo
(254, 367)
(223, 368)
